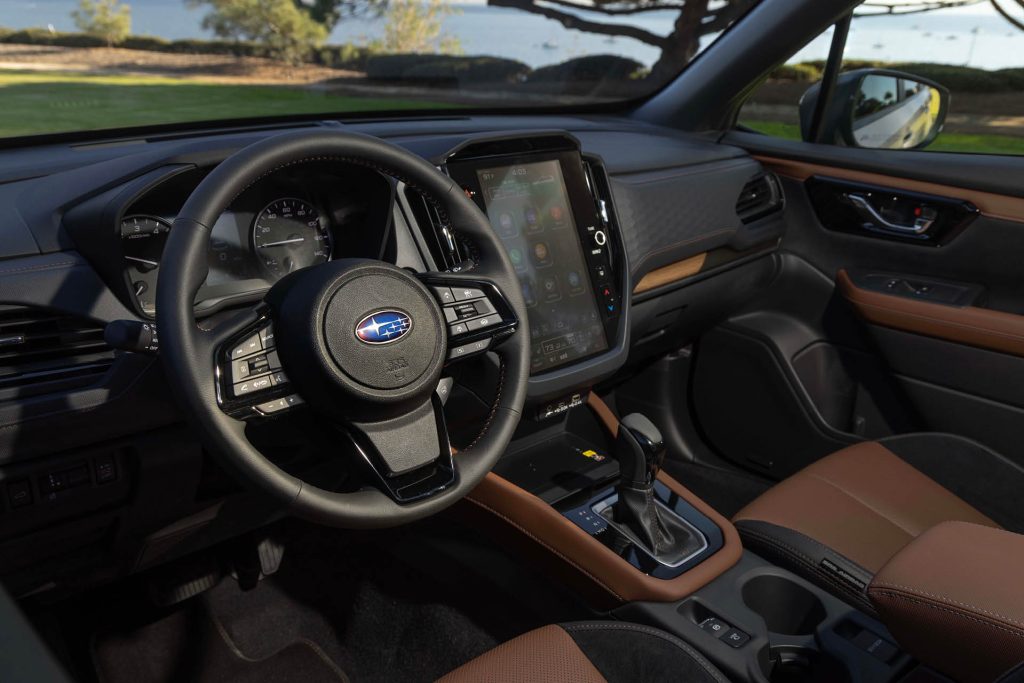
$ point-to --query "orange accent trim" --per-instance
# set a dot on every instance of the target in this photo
(603, 413)
(969, 325)
(674, 272)
(990, 204)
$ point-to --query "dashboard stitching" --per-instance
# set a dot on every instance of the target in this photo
(47, 266)
(551, 548)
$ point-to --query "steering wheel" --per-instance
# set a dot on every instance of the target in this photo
(363, 343)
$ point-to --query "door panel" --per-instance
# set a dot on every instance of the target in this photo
(861, 335)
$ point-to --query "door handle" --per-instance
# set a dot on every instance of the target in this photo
(877, 221)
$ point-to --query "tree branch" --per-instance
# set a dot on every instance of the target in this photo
(1009, 17)
(571, 21)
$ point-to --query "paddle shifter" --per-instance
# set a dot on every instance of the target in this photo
(640, 452)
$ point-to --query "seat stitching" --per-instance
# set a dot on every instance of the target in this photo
(694, 653)
(856, 498)
(955, 612)
(949, 601)
(548, 546)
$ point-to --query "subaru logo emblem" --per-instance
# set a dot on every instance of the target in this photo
(383, 327)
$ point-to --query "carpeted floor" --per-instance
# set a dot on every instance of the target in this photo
(335, 611)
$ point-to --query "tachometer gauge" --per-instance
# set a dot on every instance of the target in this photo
(143, 239)
(288, 235)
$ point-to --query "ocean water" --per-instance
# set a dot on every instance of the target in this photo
(977, 39)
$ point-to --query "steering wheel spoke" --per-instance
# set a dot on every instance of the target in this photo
(250, 381)
(409, 458)
(476, 312)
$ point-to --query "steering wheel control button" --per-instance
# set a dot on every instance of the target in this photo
(249, 346)
(458, 329)
(444, 295)
(467, 293)
(253, 385)
(468, 349)
(267, 337)
(273, 360)
(279, 404)
(481, 323)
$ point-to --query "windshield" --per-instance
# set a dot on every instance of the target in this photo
(76, 65)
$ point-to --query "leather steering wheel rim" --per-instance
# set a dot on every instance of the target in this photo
(189, 351)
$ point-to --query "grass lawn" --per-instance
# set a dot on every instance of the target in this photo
(35, 102)
(946, 142)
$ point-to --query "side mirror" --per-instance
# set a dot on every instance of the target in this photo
(878, 109)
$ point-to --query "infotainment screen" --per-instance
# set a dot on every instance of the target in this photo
(528, 205)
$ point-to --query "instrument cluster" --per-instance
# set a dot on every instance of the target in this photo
(294, 219)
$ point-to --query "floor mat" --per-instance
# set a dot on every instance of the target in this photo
(727, 491)
(190, 645)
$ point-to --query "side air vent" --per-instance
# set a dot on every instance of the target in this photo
(438, 236)
(759, 197)
(42, 347)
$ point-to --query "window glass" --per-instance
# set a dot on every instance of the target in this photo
(975, 50)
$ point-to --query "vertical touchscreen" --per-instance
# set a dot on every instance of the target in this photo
(528, 205)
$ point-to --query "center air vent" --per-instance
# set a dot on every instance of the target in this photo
(38, 346)
(759, 197)
(440, 239)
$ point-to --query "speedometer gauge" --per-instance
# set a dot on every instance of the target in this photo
(143, 239)
(288, 235)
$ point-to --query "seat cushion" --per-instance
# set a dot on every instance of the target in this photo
(839, 520)
(590, 652)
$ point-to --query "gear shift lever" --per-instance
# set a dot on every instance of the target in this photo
(640, 452)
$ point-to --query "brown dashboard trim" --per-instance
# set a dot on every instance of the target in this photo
(674, 272)
(993, 205)
(970, 325)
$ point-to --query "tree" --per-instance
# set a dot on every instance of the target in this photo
(286, 31)
(696, 19)
(109, 20)
(415, 27)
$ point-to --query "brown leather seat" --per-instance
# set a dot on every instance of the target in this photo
(839, 520)
(590, 652)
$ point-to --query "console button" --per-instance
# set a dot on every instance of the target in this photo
(735, 638)
(249, 346)
(444, 295)
(466, 293)
(600, 239)
(19, 493)
(249, 386)
(106, 468)
(716, 627)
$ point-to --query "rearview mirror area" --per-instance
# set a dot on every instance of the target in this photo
(878, 109)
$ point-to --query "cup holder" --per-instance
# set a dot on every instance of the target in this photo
(787, 607)
(805, 665)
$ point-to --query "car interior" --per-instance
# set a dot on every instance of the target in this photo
(620, 391)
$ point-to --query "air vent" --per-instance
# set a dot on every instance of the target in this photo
(38, 346)
(759, 197)
(440, 239)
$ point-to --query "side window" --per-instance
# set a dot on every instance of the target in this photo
(941, 76)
